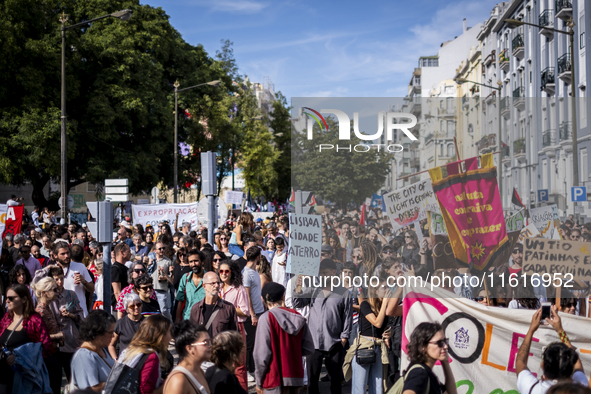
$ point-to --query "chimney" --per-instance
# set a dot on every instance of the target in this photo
(465, 28)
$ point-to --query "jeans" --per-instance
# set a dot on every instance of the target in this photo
(235, 249)
(334, 363)
(368, 375)
(163, 297)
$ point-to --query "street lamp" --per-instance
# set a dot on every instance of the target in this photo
(124, 15)
(176, 116)
(259, 117)
(513, 23)
(460, 81)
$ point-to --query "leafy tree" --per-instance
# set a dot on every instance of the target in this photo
(281, 125)
(337, 176)
(119, 94)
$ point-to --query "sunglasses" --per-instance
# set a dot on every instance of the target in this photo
(441, 342)
(146, 288)
(224, 272)
(217, 259)
(388, 251)
(478, 299)
(160, 249)
(223, 239)
(11, 299)
(135, 306)
(139, 271)
(516, 251)
(182, 254)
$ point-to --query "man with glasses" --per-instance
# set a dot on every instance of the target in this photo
(159, 270)
(216, 314)
(575, 235)
(191, 289)
(145, 288)
(388, 251)
(517, 257)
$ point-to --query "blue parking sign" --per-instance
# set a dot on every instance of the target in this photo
(578, 193)
(543, 195)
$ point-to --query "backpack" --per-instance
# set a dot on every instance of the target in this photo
(124, 379)
(399, 385)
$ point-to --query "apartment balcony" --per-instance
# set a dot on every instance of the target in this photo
(564, 9)
(429, 138)
(566, 136)
(506, 107)
(491, 97)
(548, 81)
(564, 68)
(506, 154)
(447, 112)
(519, 150)
(415, 162)
(465, 102)
(546, 20)
(504, 60)
(519, 98)
(475, 90)
(549, 142)
(487, 143)
(517, 46)
(415, 107)
(489, 59)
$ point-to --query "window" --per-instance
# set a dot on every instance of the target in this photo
(451, 127)
(441, 150)
(450, 150)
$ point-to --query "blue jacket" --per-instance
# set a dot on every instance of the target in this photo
(31, 376)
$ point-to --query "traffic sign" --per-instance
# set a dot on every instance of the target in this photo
(220, 216)
(70, 202)
(543, 195)
(579, 209)
(578, 193)
(117, 190)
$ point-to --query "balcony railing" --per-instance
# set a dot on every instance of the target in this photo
(505, 103)
(564, 131)
(519, 92)
(564, 64)
(504, 56)
(548, 78)
(548, 138)
(517, 42)
(561, 4)
(487, 141)
(546, 19)
(519, 146)
(506, 151)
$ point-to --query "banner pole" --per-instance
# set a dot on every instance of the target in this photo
(460, 161)
(486, 291)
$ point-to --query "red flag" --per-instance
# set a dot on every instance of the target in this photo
(362, 218)
(14, 220)
(515, 199)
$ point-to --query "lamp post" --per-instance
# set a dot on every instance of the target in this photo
(124, 15)
(460, 81)
(232, 157)
(513, 23)
(176, 117)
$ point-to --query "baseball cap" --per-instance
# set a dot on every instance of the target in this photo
(326, 248)
(272, 292)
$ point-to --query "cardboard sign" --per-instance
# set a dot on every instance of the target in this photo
(484, 341)
(409, 204)
(544, 218)
(545, 256)
(13, 220)
(155, 213)
(305, 241)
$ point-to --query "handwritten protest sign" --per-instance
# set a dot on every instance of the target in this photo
(155, 213)
(546, 256)
(305, 241)
(515, 222)
(233, 197)
(529, 231)
(436, 224)
(544, 218)
(409, 204)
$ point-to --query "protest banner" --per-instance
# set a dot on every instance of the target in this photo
(233, 197)
(155, 213)
(515, 222)
(376, 201)
(14, 220)
(436, 224)
(544, 218)
(3, 212)
(409, 204)
(529, 231)
(472, 211)
(572, 259)
(305, 241)
(484, 341)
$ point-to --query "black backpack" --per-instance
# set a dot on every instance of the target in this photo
(124, 379)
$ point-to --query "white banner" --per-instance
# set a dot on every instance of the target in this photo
(544, 218)
(483, 341)
(411, 203)
(305, 241)
(155, 213)
(233, 197)
(3, 212)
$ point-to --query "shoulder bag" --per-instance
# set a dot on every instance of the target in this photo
(366, 356)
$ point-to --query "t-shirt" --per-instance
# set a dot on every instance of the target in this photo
(241, 263)
(89, 369)
(526, 379)
(179, 271)
(251, 278)
(208, 311)
(77, 288)
(126, 328)
(150, 308)
(417, 379)
(164, 265)
(365, 327)
(118, 274)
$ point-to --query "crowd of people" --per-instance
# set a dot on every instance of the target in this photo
(235, 315)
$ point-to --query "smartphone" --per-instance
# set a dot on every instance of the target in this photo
(546, 309)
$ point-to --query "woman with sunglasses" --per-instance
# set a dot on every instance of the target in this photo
(234, 292)
(410, 250)
(136, 270)
(193, 345)
(216, 260)
(144, 284)
(223, 247)
(19, 326)
(126, 327)
(428, 345)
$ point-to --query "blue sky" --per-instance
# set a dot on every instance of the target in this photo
(325, 49)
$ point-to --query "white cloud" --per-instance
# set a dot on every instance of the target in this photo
(233, 6)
